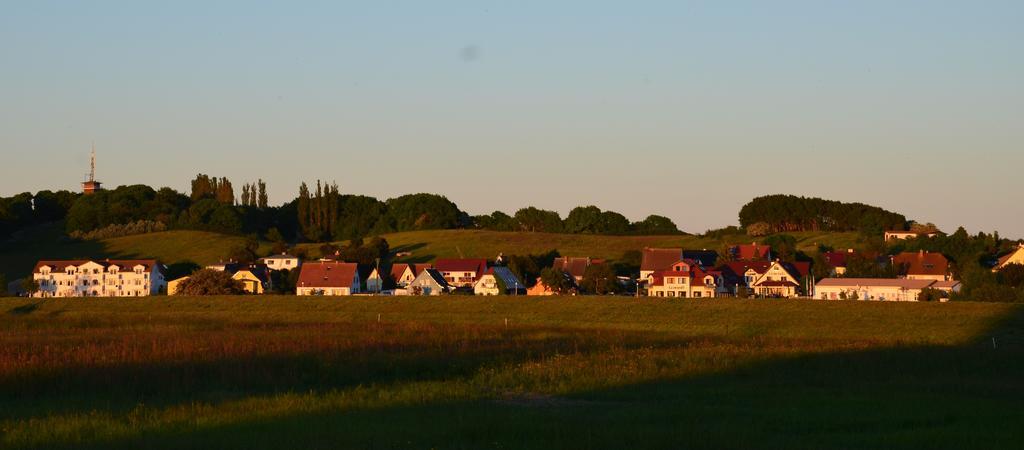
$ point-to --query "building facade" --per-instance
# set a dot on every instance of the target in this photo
(105, 278)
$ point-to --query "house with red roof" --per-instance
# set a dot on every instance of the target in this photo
(499, 280)
(684, 279)
(403, 273)
(99, 278)
(922, 265)
(575, 266)
(751, 252)
(461, 272)
(328, 278)
(658, 259)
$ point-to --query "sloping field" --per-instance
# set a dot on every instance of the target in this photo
(470, 372)
(170, 247)
(428, 245)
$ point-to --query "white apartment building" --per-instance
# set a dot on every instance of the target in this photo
(99, 278)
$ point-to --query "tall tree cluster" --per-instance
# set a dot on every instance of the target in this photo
(254, 195)
(786, 213)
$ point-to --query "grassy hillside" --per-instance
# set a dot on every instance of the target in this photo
(428, 245)
(199, 247)
(571, 372)
(170, 247)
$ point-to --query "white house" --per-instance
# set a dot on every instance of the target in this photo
(684, 279)
(888, 289)
(328, 278)
(499, 281)
(283, 261)
(103, 278)
(429, 282)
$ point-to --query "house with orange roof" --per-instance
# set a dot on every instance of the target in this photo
(684, 279)
(461, 272)
(328, 278)
(922, 265)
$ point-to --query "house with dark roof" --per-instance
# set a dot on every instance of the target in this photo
(430, 282)
(328, 278)
(499, 280)
(461, 272)
(765, 278)
(575, 266)
(99, 278)
(922, 265)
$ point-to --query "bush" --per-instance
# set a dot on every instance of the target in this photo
(210, 282)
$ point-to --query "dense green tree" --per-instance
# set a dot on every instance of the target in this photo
(497, 221)
(600, 279)
(584, 219)
(557, 280)
(423, 212)
(786, 213)
(210, 282)
(783, 246)
(533, 219)
(225, 219)
(1011, 275)
(656, 225)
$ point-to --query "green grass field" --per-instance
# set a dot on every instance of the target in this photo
(429, 245)
(471, 373)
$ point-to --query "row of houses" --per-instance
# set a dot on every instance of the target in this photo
(664, 272)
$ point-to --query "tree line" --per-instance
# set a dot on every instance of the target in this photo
(788, 213)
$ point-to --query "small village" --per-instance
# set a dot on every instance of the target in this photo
(751, 272)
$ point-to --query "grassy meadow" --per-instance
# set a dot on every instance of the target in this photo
(17, 258)
(511, 372)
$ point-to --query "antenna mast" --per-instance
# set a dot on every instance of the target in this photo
(92, 163)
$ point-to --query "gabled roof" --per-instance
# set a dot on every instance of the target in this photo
(60, 265)
(398, 269)
(922, 263)
(734, 270)
(478, 265)
(259, 271)
(1007, 257)
(655, 259)
(505, 274)
(434, 275)
(328, 274)
(575, 266)
(750, 252)
(695, 272)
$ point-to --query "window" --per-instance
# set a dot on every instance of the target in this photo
(697, 294)
(682, 294)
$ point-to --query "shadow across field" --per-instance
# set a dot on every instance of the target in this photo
(340, 356)
(964, 396)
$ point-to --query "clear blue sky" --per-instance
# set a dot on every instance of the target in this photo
(676, 108)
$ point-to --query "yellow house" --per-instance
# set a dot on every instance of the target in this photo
(254, 279)
(1014, 257)
(172, 286)
(251, 283)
